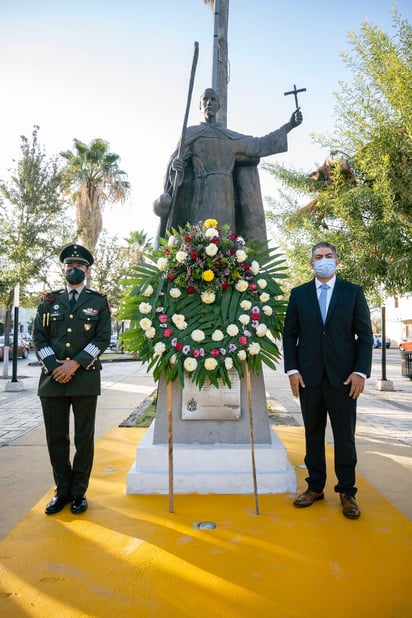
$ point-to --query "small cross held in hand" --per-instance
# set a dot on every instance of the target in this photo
(295, 92)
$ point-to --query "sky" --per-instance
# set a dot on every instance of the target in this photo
(120, 71)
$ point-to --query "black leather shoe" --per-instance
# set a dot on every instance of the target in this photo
(308, 498)
(79, 505)
(57, 504)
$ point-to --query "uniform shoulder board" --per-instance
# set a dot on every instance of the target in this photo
(51, 296)
(89, 291)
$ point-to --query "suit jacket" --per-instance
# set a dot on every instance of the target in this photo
(81, 334)
(340, 346)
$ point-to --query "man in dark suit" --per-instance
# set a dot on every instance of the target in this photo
(328, 360)
(71, 329)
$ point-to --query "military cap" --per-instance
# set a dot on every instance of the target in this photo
(76, 253)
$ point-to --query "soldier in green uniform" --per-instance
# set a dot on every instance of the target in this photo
(69, 335)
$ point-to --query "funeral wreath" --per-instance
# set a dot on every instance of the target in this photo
(205, 303)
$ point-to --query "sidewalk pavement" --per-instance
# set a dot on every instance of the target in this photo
(384, 450)
(128, 556)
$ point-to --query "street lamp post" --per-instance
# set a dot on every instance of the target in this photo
(15, 385)
(383, 384)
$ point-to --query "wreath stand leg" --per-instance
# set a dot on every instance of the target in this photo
(170, 444)
(252, 438)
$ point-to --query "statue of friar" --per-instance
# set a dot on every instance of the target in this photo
(218, 176)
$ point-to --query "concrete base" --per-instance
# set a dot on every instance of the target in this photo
(384, 385)
(210, 468)
(14, 387)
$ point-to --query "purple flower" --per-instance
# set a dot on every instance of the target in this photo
(232, 347)
(186, 349)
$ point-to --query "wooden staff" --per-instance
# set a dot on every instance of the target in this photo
(177, 178)
(252, 437)
(170, 443)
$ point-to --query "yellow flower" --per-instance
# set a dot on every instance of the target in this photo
(210, 223)
(208, 275)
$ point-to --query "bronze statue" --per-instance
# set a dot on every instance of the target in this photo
(218, 176)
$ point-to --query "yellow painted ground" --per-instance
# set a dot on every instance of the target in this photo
(128, 556)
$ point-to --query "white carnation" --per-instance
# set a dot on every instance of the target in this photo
(244, 319)
(217, 335)
(264, 297)
(172, 241)
(198, 335)
(211, 232)
(207, 297)
(232, 330)
(178, 320)
(181, 257)
(145, 323)
(162, 264)
(267, 310)
(148, 291)
(175, 293)
(241, 355)
(246, 305)
(241, 285)
(150, 332)
(210, 364)
(159, 348)
(261, 330)
(262, 283)
(228, 363)
(241, 255)
(254, 267)
(190, 364)
(211, 249)
(145, 308)
(253, 348)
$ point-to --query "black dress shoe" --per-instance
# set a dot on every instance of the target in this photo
(79, 505)
(57, 504)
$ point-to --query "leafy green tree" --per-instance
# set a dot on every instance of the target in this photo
(33, 222)
(112, 264)
(366, 212)
(94, 178)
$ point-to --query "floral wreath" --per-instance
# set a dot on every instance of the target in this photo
(203, 304)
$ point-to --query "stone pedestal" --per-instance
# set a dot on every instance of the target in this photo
(211, 456)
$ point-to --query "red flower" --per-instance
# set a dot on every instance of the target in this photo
(178, 346)
(255, 315)
(167, 332)
(163, 318)
(252, 287)
(188, 238)
(225, 285)
(215, 240)
(233, 236)
(191, 290)
(170, 277)
(245, 266)
(194, 255)
(242, 340)
(214, 352)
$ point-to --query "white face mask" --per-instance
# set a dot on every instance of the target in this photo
(325, 267)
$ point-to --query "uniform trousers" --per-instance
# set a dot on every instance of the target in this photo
(316, 403)
(70, 479)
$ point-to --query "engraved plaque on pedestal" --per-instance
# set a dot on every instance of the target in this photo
(211, 404)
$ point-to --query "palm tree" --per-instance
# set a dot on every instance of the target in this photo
(138, 245)
(94, 178)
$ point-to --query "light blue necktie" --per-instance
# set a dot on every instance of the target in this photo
(322, 300)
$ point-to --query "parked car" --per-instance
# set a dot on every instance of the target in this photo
(377, 341)
(28, 339)
(406, 345)
(23, 347)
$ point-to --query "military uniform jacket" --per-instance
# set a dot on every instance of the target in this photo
(81, 334)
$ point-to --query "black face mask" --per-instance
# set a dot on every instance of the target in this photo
(74, 275)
